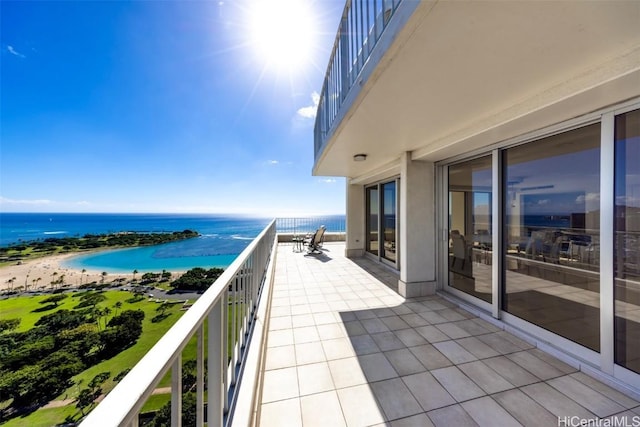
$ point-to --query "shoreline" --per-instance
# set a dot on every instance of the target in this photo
(50, 268)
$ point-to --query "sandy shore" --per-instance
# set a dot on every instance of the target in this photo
(49, 269)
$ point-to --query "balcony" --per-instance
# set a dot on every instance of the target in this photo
(441, 78)
(329, 342)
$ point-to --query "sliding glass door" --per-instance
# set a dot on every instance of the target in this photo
(382, 221)
(470, 227)
(627, 241)
(372, 220)
(552, 224)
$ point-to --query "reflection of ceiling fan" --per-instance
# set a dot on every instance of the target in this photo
(540, 187)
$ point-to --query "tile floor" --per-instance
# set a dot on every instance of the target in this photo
(344, 349)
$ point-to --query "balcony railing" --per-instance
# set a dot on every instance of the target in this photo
(303, 225)
(361, 26)
(228, 308)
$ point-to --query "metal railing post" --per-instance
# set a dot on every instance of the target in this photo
(176, 392)
(215, 366)
(200, 378)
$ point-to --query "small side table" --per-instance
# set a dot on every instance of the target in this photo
(298, 243)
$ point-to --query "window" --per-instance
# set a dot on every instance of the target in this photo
(627, 240)
(382, 220)
(389, 221)
(470, 228)
(372, 220)
(552, 221)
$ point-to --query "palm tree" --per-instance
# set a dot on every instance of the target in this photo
(117, 306)
(104, 276)
(134, 274)
(84, 270)
(38, 279)
(53, 279)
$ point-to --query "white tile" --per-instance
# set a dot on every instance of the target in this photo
(321, 410)
(311, 352)
(280, 384)
(314, 378)
(277, 323)
(404, 362)
(395, 398)
(331, 331)
(338, 348)
(280, 338)
(376, 367)
(360, 407)
(457, 384)
(486, 412)
(280, 357)
(302, 320)
(346, 372)
(305, 334)
(281, 413)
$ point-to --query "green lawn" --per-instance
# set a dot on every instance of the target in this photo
(23, 307)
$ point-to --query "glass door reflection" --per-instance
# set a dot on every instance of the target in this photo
(470, 228)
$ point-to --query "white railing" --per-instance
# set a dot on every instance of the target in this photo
(228, 308)
(309, 224)
(361, 26)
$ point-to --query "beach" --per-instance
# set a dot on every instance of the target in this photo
(48, 269)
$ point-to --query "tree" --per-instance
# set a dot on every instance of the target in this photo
(86, 398)
(197, 279)
(163, 416)
(104, 276)
(53, 279)
(84, 270)
(8, 324)
(117, 306)
(134, 275)
(162, 308)
(54, 299)
(99, 379)
(91, 299)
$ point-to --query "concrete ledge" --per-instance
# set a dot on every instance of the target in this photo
(328, 237)
(416, 289)
(354, 253)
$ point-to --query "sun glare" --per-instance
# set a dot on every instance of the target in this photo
(283, 33)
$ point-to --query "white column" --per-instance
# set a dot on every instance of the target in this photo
(417, 228)
(356, 219)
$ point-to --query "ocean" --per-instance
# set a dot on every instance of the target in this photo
(222, 238)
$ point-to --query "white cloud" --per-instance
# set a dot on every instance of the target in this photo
(273, 162)
(17, 205)
(35, 202)
(309, 112)
(327, 181)
(589, 197)
(12, 51)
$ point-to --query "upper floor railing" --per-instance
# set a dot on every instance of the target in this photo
(227, 312)
(361, 26)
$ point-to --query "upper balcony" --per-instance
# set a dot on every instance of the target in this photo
(320, 339)
(441, 78)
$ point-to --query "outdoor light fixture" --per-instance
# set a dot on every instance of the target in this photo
(359, 157)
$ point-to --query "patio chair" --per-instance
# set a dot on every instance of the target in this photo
(314, 241)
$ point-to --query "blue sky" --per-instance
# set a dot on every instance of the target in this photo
(164, 106)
